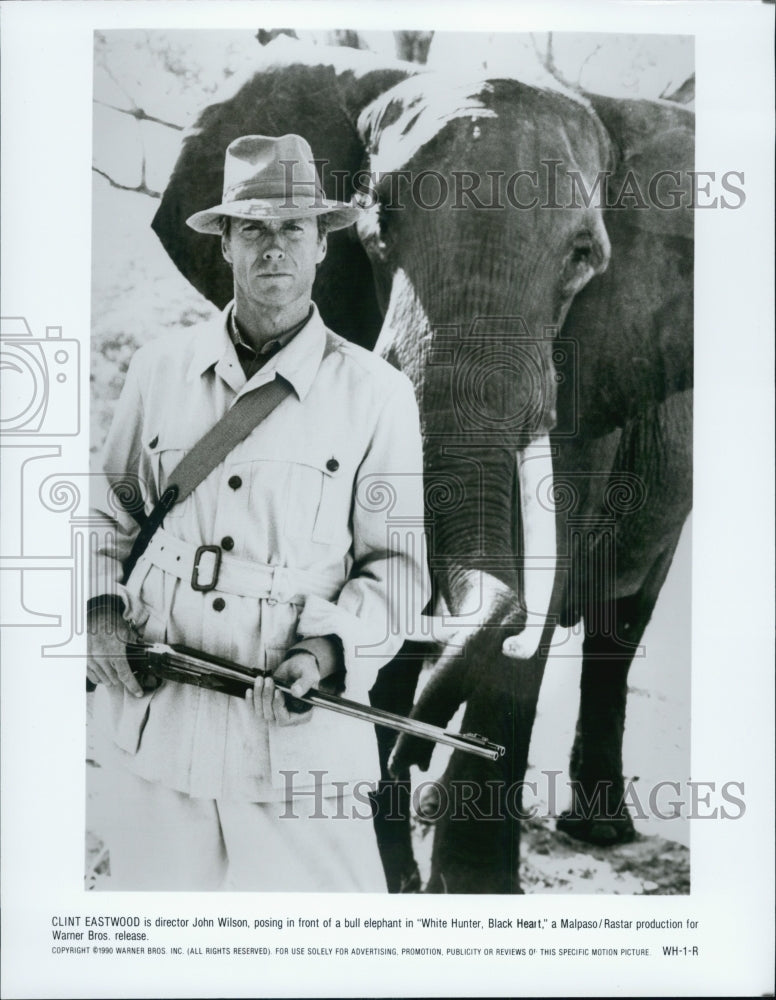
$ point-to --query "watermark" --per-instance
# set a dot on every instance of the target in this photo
(40, 421)
(497, 800)
(40, 381)
(548, 185)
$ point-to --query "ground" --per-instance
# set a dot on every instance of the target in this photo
(554, 863)
(551, 861)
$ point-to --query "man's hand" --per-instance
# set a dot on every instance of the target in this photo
(300, 673)
(106, 661)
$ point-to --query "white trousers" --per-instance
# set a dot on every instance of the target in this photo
(160, 839)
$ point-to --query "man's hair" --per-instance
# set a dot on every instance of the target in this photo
(225, 221)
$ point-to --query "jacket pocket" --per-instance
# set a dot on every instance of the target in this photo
(318, 501)
(295, 495)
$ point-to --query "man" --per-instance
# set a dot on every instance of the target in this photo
(313, 528)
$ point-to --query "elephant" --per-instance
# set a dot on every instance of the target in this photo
(525, 256)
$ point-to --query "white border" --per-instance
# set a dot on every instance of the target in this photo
(46, 197)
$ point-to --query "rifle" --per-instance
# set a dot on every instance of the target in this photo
(190, 666)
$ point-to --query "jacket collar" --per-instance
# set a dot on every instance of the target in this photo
(297, 361)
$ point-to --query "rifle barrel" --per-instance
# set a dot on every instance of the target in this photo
(195, 666)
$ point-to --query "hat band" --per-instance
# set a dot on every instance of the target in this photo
(288, 193)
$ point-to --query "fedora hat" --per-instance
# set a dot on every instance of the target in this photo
(272, 178)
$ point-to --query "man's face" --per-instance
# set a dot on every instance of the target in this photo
(273, 260)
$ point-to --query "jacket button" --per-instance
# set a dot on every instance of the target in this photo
(332, 465)
(235, 482)
(227, 543)
(219, 604)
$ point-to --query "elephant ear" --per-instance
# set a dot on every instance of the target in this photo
(633, 325)
(649, 138)
(320, 102)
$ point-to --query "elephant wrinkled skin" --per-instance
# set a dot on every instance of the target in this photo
(557, 464)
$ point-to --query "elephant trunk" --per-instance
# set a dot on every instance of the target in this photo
(487, 396)
(495, 555)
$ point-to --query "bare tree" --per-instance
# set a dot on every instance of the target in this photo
(134, 111)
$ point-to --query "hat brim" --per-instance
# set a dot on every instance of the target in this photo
(339, 214)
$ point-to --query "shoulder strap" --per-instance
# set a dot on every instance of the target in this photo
(208, 453)
(235, 425)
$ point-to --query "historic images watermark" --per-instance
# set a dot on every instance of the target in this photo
(40, 381)
(40, 420)
(497, 800)
(551, 186)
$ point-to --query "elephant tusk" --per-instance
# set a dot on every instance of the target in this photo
(534, 467)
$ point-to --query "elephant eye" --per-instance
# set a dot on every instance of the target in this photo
(580, 264)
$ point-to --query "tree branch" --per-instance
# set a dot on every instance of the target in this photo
(138, 114)
(106, 69)
(585, 61)
(141, 188)
(547, 59)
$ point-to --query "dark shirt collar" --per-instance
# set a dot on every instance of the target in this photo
(297, 362)
(250, 358)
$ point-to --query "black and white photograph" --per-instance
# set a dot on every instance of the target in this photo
(387, 506)
(515, 502)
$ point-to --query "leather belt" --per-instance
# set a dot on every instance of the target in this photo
(240, 577)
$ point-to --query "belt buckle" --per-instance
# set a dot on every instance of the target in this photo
(215, 565)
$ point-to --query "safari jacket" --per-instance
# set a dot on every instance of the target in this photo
(324, 500)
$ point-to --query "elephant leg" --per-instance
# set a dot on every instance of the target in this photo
(598, 814)
(477, 833)
(394, 691)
